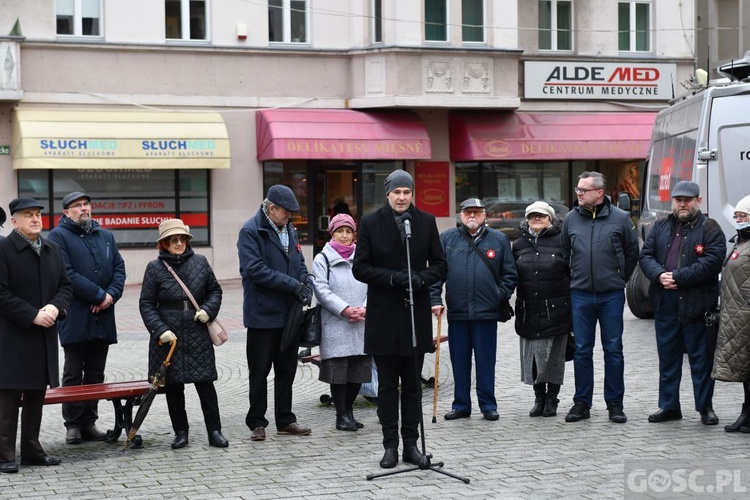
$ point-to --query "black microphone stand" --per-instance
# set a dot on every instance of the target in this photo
(424, 463)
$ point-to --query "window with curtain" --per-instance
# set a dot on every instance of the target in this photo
(472, 20)
(79, 17)
(634, 26)
(130, 203)
(185, 19)
(555, 25)
(436, 20)
(287, 21)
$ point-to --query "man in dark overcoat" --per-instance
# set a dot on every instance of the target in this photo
(97, 271)
(274, 275)
(34, 294)
(381, 262)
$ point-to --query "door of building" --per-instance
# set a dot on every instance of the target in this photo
(335, 189)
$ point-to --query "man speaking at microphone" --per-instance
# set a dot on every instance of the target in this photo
(381, 262)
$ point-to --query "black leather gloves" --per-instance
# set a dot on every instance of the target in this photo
(401, 280)
(304, 294)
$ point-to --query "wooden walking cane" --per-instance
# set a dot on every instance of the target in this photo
(437, 367)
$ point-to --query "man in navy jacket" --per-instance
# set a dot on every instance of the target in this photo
(473, 295)
(274, 275)
(682, 258)
(97, 271)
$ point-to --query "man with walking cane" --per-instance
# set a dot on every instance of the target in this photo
(481, 274)
(381, 262)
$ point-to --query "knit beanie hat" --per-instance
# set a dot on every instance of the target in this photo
(398, 178)
(341, 220)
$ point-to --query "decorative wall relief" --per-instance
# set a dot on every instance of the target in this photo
(438, 76)
(476, 77)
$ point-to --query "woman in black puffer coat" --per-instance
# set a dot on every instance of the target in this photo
(543, 317)
(168, 315)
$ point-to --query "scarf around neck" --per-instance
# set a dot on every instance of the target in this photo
(344, 251)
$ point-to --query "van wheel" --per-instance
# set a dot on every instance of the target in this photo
(637, 295)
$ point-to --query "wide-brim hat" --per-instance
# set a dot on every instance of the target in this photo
(75, 195)
(172, 227)
(24, 204)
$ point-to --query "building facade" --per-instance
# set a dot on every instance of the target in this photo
(192, 108)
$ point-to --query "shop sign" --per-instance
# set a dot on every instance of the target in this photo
(580, 80)
(354, 149)
(432, 187)
(124, 148)
(144, 220)
(4, 150)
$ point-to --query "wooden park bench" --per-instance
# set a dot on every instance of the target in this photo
(124, 396)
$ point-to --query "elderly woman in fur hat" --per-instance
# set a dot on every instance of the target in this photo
(732, 358)
(343, 362)
(168, 314)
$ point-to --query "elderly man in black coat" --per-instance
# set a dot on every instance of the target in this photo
(34, 294)
(380, 262)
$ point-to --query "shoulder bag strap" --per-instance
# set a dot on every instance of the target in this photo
(478, 252)
(190, 295)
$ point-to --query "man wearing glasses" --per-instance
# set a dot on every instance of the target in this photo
(473, 296)
(600, 243)
(97, 271)
(682, 258)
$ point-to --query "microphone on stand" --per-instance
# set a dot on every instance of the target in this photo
(406, 218)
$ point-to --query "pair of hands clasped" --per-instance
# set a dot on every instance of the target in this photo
(168, 337)
(667, 281)
(354, 314)
(401, 279)
(46, 316)
(106, 303)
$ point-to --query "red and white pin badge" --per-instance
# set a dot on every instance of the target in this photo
(699, 249)
(734, 255)
(490, 254)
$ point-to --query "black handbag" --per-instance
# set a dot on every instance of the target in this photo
(311, 328)
(570, 347)
(505, 310)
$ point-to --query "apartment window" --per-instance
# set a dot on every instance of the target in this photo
(555, 25)
(472, 20)
(186, 19)
(377, 21)
(287, 21)
(435, 21)
(79, 17)
(634, 26)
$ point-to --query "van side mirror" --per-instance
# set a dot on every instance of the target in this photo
(624, 202)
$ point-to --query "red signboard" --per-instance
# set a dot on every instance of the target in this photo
(432, 187)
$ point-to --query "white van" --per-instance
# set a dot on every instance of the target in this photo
(704, 137)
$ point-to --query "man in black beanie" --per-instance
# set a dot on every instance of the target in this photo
(381, 262)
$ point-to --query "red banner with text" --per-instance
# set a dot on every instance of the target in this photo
(432, 187)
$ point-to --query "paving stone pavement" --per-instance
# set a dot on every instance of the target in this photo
(514, 457)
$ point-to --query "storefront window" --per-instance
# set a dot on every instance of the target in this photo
(293, 174)
(130, 203)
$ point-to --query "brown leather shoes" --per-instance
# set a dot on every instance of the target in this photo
(258, 434)
(294, 429)
(92, 433)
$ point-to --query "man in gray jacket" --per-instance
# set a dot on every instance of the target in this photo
(600, 243)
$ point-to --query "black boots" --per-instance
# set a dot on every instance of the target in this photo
(180, 440)
(217, 439)
(742, 424)
(540, 392)
(345, 423)
(550, 405)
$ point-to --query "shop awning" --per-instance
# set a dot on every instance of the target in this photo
(549, 136)
(340, 134)
(116, 139)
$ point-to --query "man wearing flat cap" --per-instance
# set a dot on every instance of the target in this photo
(34, 293)
(274, 275)
(97, 271)
(2, 221)
(481, 274)
(381, 262)
(682, 258)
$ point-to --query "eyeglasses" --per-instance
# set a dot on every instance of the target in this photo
(83, 204)
(537, 216)
(177, 239)
(740, 216)
(578, 190)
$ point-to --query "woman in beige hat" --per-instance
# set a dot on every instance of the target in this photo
(168, 314)
(543, 318)
(732, 358)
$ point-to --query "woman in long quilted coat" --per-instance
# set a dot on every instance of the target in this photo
(732, 358)
(168, 315)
